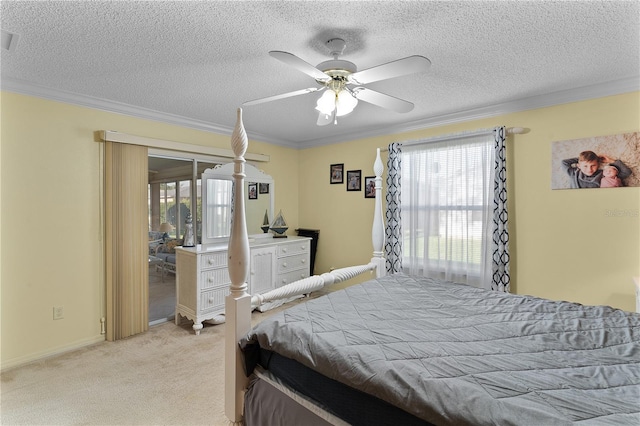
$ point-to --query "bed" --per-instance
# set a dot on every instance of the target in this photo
(448, 353)
(406, 350)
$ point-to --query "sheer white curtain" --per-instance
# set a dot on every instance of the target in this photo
(447, 205)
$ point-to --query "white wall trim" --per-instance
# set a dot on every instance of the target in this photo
(616, 87)
(612, 88)
(27, 88)
(39, 356)
(112, 136)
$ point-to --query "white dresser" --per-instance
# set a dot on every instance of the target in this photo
(202, 277)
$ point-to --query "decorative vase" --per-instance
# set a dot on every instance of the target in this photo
(279, 226)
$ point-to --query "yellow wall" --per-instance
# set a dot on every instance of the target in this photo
(563, 244)
(50, 222)
(50, 229)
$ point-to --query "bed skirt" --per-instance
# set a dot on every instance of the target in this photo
(268, 402)
(334, 401)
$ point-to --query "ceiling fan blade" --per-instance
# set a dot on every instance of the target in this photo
(405, 66)
(283, 96)
(382, 100)
(324, 119)
(299, 64)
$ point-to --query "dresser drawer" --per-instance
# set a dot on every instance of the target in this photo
(214, 278)
(214, 260)
(293, 248)
(289, 277)
(213, 299)
(293, 263)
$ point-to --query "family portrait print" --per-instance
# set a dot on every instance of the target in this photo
(253, 191)
(598, 162)
(370, 187)
(336, 173)
(354, 180)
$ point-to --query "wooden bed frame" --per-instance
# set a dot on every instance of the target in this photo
(543, 336)
(239, 304)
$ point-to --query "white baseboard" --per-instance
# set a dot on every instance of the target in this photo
(17, 362)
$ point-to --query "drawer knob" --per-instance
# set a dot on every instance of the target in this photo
(210, 279)
(284, 250)
(210, 261)
(211, 300)
(304, 260)
(284, 265)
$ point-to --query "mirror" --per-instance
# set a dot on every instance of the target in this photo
(217, 201)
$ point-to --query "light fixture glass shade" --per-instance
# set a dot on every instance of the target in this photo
(345, 103)
(327, 102)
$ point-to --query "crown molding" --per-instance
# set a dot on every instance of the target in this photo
(31, 89)
(27, 88)
(610, 88)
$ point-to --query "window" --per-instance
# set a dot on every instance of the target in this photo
(446, 208)
(219, 207)
(173, 184)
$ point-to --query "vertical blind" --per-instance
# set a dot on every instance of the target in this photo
(126, 246)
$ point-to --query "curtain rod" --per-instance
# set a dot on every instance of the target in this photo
(112, 136)
(510, 131)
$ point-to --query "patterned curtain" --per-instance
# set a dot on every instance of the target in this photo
(501, 278)
(393, 231)
(499, 244)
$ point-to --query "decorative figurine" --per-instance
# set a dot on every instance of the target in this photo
(279, 226)
(265, 222)
(188, 240)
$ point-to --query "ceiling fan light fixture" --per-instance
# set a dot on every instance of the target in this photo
(345, 103)
(327, 102)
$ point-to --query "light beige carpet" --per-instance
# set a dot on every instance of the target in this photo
(166, 376)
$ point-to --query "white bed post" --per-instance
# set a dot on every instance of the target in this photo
(377, 231)
(238, 302)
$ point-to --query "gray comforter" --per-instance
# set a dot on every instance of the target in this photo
(453, 354)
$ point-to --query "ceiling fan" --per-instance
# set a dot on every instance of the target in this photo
(343, 84)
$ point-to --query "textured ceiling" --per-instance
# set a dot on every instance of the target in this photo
(194, 63)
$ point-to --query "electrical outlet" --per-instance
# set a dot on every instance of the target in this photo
(58, 312)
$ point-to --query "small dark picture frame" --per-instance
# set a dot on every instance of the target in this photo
(354, 180)
(263, 188)
(336, 173)
(253, 191)
(370, 187)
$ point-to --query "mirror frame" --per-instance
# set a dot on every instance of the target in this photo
(225, 172)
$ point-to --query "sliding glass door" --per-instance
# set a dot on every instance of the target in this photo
(173, 192)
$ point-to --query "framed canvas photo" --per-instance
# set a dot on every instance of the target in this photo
(370, 187)
(337, 173)
(354, 180)
(263, 188)
(253, 191)
(610, 161)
